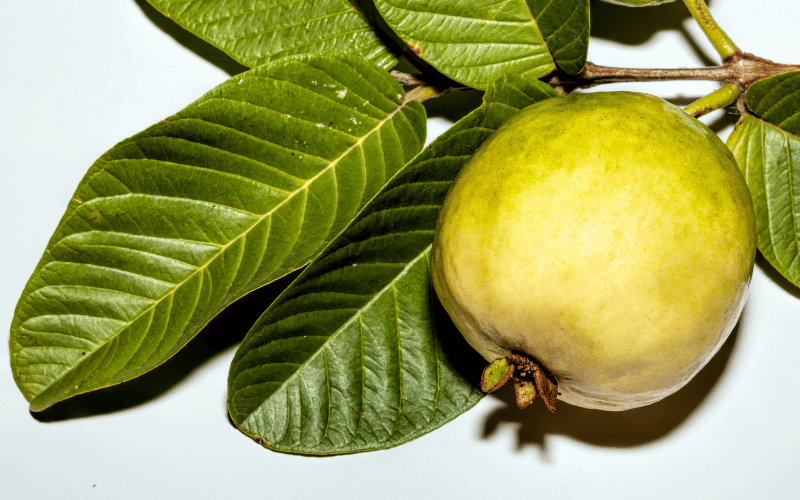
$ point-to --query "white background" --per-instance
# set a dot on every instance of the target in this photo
(78, 77)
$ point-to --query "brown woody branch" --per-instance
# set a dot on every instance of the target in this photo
(741, 69)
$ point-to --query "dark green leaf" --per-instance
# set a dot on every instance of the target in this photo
(260, 31)
(170, 226)
(347, 359)
(565, 27)
(474, 43)
(777, 101)
(770, 160)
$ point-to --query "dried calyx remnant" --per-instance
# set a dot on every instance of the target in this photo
(530, 380)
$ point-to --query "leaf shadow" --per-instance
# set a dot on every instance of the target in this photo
(636, 26)
(226, 330)
(190, 41)
(455, 105)
(627, 429)
(776, 276)
(462, 357)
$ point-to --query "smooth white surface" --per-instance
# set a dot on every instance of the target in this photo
(77, 79)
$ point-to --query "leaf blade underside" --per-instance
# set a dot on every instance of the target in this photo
(769, 158)
(766, 144)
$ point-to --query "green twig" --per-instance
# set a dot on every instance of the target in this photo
(719, 39)
(724, 96)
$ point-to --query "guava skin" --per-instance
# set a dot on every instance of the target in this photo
(610, 236)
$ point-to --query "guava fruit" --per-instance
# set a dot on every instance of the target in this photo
(606, 238)
(637, 3)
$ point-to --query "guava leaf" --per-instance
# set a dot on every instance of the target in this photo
(769, 158)
(170, 226)
(776, 100)
(565, 27)
(474, 43)
(260, 31)
(347, 358)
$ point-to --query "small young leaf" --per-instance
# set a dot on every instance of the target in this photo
(770, 160)
(347, 358)
(777, 100)
(475, 43)
(260, 31)
(170, 226)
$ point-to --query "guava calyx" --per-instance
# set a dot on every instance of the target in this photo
(496, 374)
(530, 380)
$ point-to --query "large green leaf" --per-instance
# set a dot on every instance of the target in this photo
(243, 186)
(347, 359)
(259, 31)
(770, 160)
(474, 43)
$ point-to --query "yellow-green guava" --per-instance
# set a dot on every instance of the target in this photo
(608, 236)
(637, 3)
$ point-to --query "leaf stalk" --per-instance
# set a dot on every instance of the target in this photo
(719, 39)
(724, 96)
